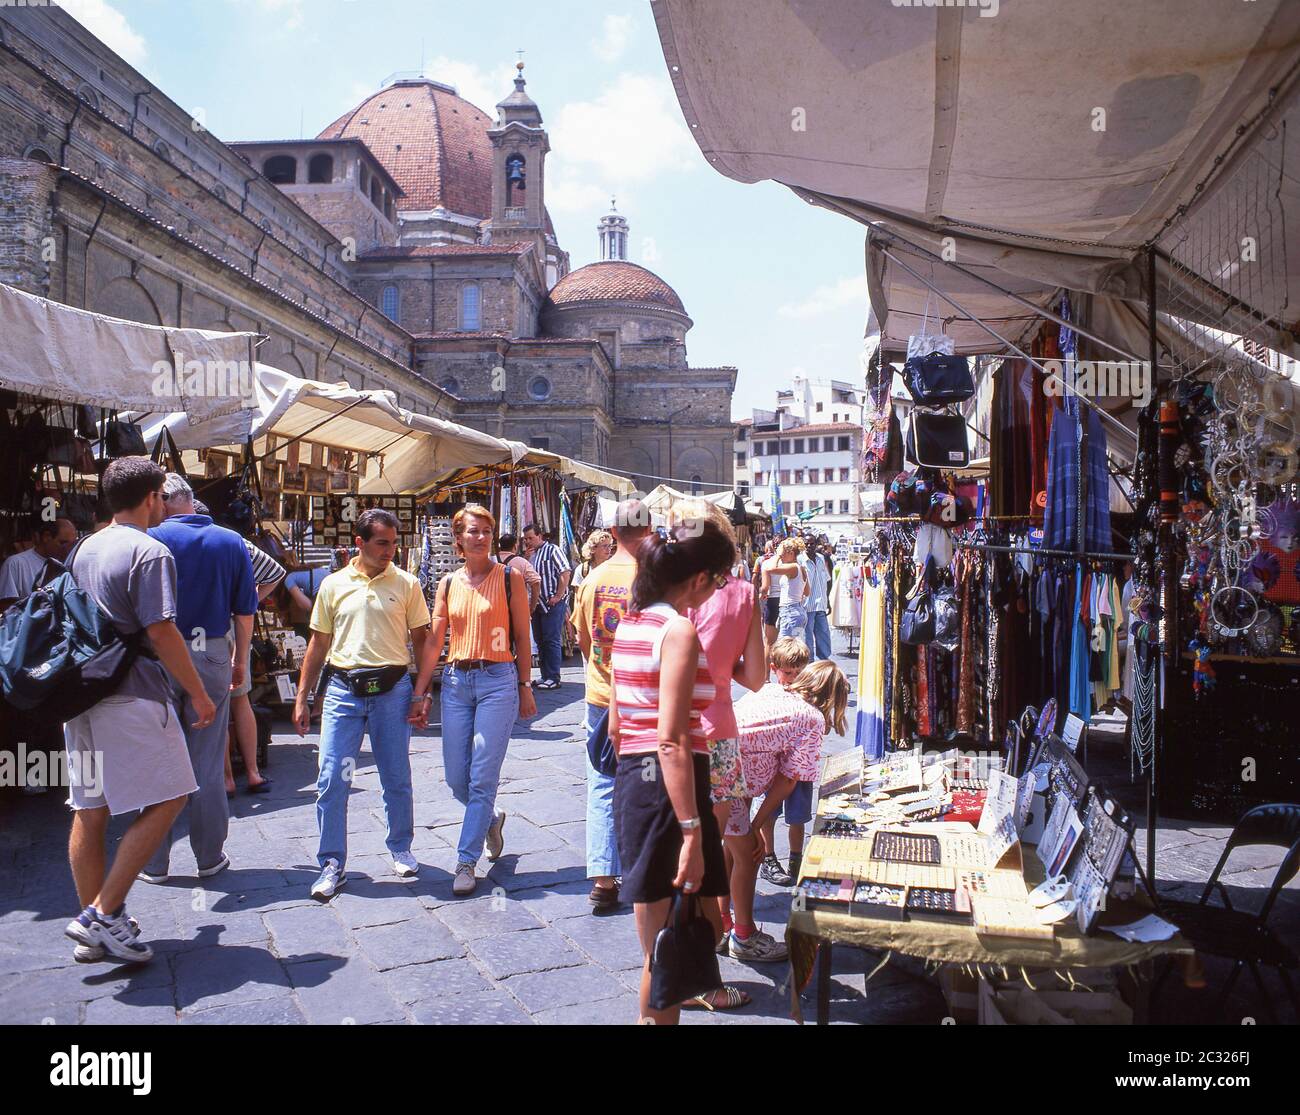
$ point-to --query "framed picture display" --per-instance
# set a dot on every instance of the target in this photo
(340, 481)
(317, 482)
(317, 455)
(294, 478)
(270, 477)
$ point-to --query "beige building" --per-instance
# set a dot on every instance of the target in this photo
(407, 247)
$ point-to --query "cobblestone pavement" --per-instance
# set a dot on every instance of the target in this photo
(252, 946)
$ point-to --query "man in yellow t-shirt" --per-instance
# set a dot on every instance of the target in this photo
(361, 623)
(602, 601)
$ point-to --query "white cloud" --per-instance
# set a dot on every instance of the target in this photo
(288, 13)
(482, 88)
(613, 38)
(108, 25)
(829, 297)
(628, 135)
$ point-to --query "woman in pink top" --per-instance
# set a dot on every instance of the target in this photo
(668, 837)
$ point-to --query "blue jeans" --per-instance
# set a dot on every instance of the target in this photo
(479, 710)
(790, 621)
(602, 841)
(817, 635)
(548, 634)
(345, 719)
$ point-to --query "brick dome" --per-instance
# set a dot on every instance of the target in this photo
(433, 143)
(617, 281)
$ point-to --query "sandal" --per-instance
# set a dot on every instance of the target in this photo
(708, 1001)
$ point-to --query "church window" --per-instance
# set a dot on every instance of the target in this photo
(39, 155)
(162, 150)
(320, 169)
(450, 385)
(697, 482)
(390, 303)
(539, 387)
(471, 317)
(87, 95)
(281, 169)
(516, 180)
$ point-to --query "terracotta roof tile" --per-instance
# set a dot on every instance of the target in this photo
(433, 143)
(615, 280)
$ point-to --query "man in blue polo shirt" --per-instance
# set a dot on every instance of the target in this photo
(214, 587)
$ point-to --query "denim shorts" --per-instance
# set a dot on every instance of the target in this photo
(797, 808)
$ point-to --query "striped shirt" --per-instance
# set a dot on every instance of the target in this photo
(266, 570)
(636, 660)
(479, 619)
(550, 566)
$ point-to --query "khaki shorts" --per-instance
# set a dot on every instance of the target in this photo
(127, 753)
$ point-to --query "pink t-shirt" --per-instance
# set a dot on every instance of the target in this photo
(722, 624)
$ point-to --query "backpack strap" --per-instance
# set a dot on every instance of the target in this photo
(510, 615)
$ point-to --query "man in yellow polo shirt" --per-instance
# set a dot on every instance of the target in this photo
(361, 623)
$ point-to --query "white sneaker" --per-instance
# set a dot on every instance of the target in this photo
(405, 864)
(92, 954)
(157, 880)
(216, 869)
(114, 936)
(329, 880)
(464, 883)
(496, 841)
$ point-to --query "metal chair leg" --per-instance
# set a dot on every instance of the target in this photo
(1269, 1010)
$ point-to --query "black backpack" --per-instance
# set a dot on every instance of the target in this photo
(59, 654)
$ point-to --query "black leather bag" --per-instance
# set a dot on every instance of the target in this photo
(937, 380)
(916, 624)
(683, 963)
(937, 439)
(947, 618)
(123, 439)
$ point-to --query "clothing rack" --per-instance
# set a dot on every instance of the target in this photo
(1082, 555)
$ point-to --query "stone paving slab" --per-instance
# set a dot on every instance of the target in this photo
(252, 946)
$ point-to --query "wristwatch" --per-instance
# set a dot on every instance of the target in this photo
(688, 826)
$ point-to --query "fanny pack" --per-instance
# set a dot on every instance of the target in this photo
(373, 681)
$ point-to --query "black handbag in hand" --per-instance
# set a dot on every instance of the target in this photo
(683, 963)
(937, 380)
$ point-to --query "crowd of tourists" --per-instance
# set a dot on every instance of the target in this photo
(667, 620)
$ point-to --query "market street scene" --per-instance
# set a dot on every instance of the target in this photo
(702, 512)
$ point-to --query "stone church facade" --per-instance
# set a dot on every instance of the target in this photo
(406, 248)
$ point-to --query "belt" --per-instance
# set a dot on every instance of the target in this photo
(474, 664)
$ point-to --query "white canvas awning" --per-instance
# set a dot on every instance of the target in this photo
(1036, 143)
(411, 448)
(75, 356)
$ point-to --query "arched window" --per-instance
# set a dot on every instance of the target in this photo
(696, 482)
(86, 94)
(281, 169)
(162, 150)
(390, 303)
(320, 169)
(470, 317)
(516, 179)
(39, 155)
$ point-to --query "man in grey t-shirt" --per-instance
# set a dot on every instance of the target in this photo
(127, 753)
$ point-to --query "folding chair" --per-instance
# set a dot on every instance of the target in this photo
(1236, 934)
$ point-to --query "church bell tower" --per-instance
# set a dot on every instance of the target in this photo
(520, 146)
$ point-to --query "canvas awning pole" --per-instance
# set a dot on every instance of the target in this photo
(1101, 411)
(1019, 299)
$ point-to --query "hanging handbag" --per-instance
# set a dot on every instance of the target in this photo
(937, 439)
(916, 624)
(123, 439)
(936, 380)
(683, 963)
(947, 618)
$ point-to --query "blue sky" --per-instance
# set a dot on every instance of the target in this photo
(774, 285)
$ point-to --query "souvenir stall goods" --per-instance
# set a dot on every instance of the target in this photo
(966, 892)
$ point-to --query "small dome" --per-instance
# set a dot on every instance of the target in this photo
(615, 281)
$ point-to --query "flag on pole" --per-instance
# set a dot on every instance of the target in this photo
(778, 516)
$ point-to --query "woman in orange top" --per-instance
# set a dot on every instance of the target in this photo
(485, 684)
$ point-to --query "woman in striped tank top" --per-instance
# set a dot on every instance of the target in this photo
(668, 837)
